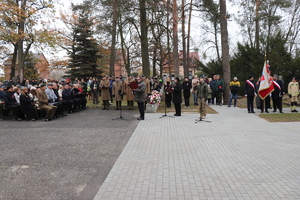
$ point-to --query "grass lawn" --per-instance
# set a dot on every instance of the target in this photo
(161, 108)
(242, 102)
(284, 117)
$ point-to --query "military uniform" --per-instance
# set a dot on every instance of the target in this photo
(104, 86)
(43, 105)
(117, 91)
(129, 93)
(202, 93)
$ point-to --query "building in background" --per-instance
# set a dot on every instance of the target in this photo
(41, 66)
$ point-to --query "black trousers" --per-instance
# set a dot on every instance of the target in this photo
(277, 103)
(16, 109)
(69, 105)
(177, 108)
(142, 110)
(250, 100)
(187, 101)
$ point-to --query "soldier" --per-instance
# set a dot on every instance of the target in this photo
(43, 104)
(293, 90)
(117, 92)
(202, 93)
(129, 93)
(104, 87)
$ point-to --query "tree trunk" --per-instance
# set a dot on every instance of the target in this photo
(13, 62)
(175, 38)
(257, 4)
(168, 38)
(185, 67)
(144, 38)
(113, 40)
(21, 30)
(189, 35)
(225, 50)
(124, 50)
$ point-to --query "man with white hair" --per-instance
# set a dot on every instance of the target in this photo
(234, 88)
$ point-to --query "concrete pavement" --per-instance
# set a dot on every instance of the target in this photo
(236, 156)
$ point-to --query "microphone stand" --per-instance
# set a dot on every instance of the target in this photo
(165, 115)
(201, 120)
(121, 117)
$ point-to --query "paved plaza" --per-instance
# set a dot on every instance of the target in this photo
(236, 156)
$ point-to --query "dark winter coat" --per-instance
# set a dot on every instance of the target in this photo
(202, 91)
(140, 93)
(168, 93)
(249, 90)
(177, 95)
(9, 99)
(277, 92)
(186, 87)
(27, 107)
(218, 85)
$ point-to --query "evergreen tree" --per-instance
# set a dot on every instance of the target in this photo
(85, 54)
(30, 71)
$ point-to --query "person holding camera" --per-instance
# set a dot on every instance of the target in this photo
(117, 92)
(43, 104)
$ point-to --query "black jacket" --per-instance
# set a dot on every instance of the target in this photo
(278, 92)
(186, 86)
(9, 99)
(249, 90)
(177, 96)
(67, 95)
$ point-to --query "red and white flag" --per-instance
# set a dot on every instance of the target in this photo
(266, 86)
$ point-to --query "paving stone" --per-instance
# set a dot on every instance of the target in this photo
(236, 156)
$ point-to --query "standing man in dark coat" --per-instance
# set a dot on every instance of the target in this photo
(250, 93)
(95, 91)
(140, 97)
(177, 96)
(186, 87)
(277, 94)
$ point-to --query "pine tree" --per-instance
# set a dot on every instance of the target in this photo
(85, 54)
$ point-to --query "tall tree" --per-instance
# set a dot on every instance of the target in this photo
(189, 34)
(144, 38)
(225, 49)
(20, 26)
(113, 39)
(85, 54)
(175, 37)
(184, 60)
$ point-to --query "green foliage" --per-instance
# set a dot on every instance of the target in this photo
(30, 72)
(213, 67)
(85, 54)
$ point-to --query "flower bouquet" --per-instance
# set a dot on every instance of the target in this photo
(154, 97)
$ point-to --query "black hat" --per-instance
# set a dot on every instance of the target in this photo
(294, 77)
(43, 85)
(177, 78)
(8, 87)
(250, 77)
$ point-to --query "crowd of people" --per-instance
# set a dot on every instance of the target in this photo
(31, 98)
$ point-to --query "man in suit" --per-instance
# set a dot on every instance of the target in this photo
(43, 104)
(177, 96)
(250, 93)
(277, 94)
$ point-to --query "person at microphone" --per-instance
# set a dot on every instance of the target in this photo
(140, 97)
(177, 96)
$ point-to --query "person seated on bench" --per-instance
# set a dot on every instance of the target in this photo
(11, 103)
(43, 104)
(27, 105)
